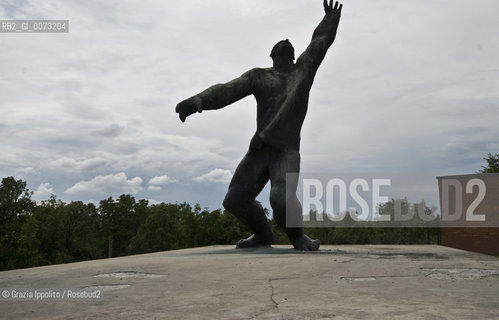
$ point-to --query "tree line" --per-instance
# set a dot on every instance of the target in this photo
(52, 231)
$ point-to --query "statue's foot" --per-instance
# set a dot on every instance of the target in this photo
(304, 243)
(255, 241)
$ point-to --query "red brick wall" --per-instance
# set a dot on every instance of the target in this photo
(482, 240)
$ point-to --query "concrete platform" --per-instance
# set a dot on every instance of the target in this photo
(221, 282)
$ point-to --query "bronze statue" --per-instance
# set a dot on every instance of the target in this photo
(282, 94)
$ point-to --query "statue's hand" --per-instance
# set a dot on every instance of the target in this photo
(329, 9)
(188, 107)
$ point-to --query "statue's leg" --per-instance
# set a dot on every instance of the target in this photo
(248, 181)
(285, 204)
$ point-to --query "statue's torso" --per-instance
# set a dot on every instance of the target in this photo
(282, 101)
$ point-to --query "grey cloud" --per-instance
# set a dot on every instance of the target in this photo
(113, 130)
(151, 102)
(411, 87)
(17, 9)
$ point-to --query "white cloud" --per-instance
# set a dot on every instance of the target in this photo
(154, 202)
(154, 188)
(162, 180)
(158, 181)
(92, 201)
(25, 170)
(78, 165)
(110, 185)
(215, 176)
(43, 192)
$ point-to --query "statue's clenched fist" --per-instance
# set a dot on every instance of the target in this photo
(188, 107)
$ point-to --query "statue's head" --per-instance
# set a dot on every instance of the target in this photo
(283, 50)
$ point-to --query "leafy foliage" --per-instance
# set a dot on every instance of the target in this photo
(492, 163)
(53, 231)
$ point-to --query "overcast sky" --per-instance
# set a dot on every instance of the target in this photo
(407, 87)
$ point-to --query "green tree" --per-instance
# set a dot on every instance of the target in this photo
(26, 250)
(121, 221)
(15, 201)
(163, 229)
(219, 227)
(492, 164)
(81, 224)
(51, 217)
(18, 243)
(424, 227)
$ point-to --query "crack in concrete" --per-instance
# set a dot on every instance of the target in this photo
(129, 274)
(460, 273)
(276, 304)
(374, 277)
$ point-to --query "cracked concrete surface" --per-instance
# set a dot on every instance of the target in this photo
(272, 294)
(220, 282)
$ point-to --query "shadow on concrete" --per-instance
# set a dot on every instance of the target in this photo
(264, 250)
(376, 253)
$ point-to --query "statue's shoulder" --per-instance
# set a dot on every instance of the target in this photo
(257, 72)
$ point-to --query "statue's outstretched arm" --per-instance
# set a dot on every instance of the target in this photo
(217, 96)
(323, 36)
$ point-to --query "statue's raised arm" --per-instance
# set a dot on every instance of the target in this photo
(323, 36)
